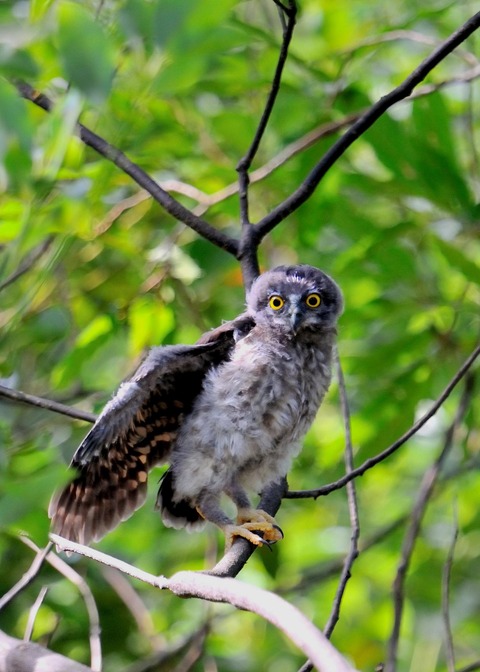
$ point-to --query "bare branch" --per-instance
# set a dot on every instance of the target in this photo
(63, 544)
(267, 605)
(48, 404)
(242, 596)
(29, 657)
(352, 506)
(371, 462)
(113, 154)
(446, 577)
(306, 189)
(27, 578)
(32, 614)
(74, 577)
(425, 493)
(244, 164)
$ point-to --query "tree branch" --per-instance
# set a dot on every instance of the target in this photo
(231, 591)
(48, 404)
(244, 164)
(425, 493)
(113, 154)
(27, 578)
(82, 586)
(18, 656)
(306, 189)
(371, 462)
(352, 506)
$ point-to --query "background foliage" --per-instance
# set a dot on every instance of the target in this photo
(179, 87)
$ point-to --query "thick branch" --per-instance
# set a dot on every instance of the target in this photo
(113, 154)
(19, 656)
(269, 606)
(306, 189)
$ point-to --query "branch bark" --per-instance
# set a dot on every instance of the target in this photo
(205, 586)
(19, 656)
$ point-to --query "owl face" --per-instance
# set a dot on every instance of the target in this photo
(295, 298)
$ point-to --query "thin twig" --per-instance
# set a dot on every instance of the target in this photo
(424, 495)
(352, 506)
(48, 404)
(371, 462)
(28, 577)
(244, 164)
(113, 154)
(32, 614)
(206, 201)
(308, 186)
(28, 262)
(353, 512)
(82, 586)
(446, 580)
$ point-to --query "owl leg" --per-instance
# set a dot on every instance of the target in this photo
(209, 508)
(249, 518)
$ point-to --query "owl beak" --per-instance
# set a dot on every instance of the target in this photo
(296, 318)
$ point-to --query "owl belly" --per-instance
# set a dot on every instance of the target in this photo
(247, 424)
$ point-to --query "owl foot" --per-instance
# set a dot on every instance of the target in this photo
(250, 520)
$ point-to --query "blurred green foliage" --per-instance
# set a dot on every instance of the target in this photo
(179, 87)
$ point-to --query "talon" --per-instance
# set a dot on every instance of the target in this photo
(250, 521)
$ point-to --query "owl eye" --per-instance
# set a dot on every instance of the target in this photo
(276, 302)
(313, 300)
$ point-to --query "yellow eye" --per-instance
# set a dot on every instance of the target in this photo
(313, 300)
(276, 302)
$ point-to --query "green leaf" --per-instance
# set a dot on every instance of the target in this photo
(86, 51)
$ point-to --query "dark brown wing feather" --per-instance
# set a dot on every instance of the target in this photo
(134, 432)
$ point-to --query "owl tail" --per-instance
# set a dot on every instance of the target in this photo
(175, 513)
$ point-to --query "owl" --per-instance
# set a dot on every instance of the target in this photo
(227, 415)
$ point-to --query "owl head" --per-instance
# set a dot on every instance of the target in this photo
(295, 298)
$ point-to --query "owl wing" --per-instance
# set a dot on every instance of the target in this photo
(134, 432)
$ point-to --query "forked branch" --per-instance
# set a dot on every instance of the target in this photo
(308, 186)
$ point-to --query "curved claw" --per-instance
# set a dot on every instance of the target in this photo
(249, 522)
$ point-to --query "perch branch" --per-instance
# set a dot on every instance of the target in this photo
(425, 493)
(306, 189)
(113, 154)
(204, 586)
(371, 462)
